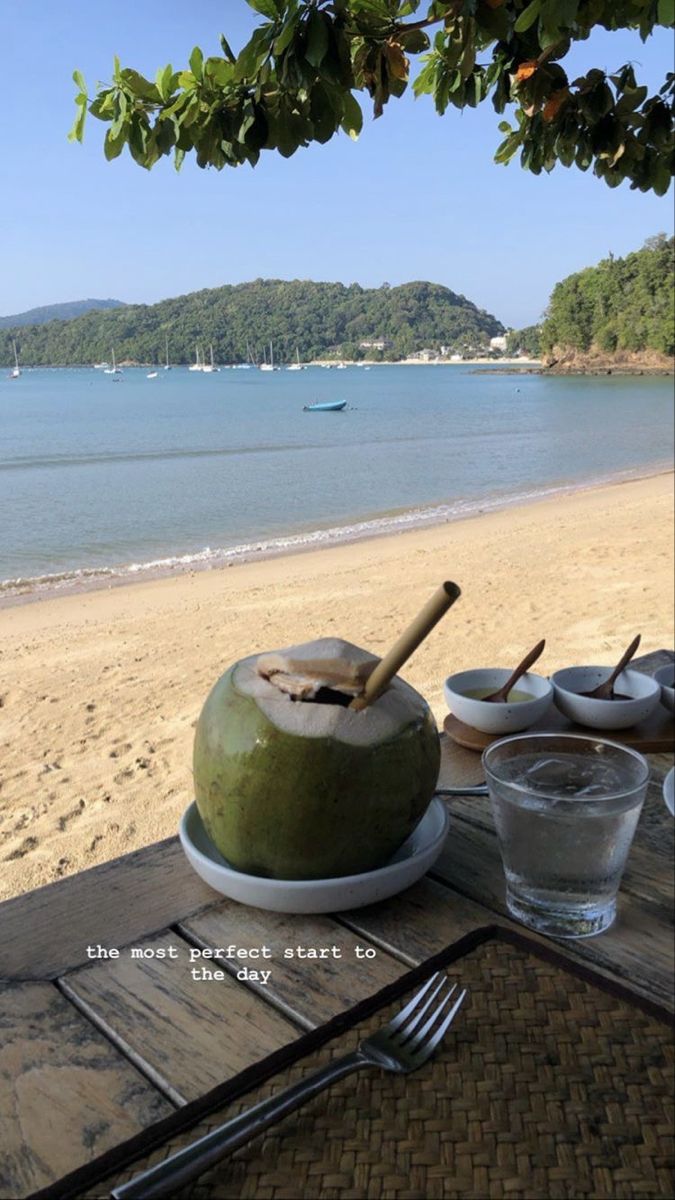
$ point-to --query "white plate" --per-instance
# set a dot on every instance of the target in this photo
(412, 860)
(669, 791)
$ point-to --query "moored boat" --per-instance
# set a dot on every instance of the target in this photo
(326, 406)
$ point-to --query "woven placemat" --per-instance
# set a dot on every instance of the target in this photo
(548, 1085)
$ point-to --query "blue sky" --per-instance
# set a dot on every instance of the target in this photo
(418, 197)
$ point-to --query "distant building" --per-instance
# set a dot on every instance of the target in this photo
(498, 343)
(375, 344)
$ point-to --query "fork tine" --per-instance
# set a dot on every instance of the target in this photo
(398, 1020)
(416, 1041)
(406, 1033)
(428, 1048)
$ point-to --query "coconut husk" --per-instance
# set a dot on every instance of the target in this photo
(302, 671)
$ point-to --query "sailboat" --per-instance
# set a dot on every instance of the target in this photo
(16, 369)
(114, 370)
(197, 365)
(210, 367)
(269, 366)
(297, 365)
(167, 366)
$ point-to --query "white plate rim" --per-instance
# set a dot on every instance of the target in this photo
(669, 791)
(436, 808)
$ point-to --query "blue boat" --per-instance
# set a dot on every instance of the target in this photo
(326, 406)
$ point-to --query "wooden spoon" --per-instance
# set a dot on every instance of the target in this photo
(605, 691)
(500, 696)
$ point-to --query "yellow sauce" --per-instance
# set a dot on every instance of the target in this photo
(514, 696)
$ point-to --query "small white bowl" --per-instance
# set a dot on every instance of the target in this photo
(664, 677)
(410, 862)
(497, 718)
(644, 696)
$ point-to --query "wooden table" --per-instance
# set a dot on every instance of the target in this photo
(93, 1052)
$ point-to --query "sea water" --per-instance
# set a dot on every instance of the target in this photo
(102, 481)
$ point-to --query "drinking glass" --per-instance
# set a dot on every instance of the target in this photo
(565, 808)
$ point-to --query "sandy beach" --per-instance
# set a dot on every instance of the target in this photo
(99, 692)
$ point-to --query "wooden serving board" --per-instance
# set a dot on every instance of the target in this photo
(655, 734)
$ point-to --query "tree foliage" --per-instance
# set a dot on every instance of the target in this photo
(295, 82)
(621, 304)
(317, 319)
(524, 341)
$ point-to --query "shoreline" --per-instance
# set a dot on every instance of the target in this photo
(130, 365)
(79, 581)
(100, 692)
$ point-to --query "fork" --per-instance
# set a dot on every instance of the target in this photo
(401, 1046)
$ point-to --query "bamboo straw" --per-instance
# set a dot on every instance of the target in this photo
(414, 635)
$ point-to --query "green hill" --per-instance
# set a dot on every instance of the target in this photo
(317, 319)
(623, 304)
(56, 312)
(621, 309)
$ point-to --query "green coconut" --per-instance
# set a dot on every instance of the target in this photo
(292, 783)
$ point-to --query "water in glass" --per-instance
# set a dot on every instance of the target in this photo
(565, 818)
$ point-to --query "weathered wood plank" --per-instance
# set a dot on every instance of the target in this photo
(190, 1034)
(429, 917)
(46, 932)
(66, 1094)
(423, 920)
(311, 990)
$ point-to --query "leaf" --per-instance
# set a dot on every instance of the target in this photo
(526, 70)
(267, 8)
(103, 106)
(78, 78)
(287, 34)
(218, 71)
(317, 39)
(113, 145)
(666, 13)
(352, 121)
(226, 49)
(197, 63)
(397, 62)
(139, 85)
(254, 53)
(554, 104)
(528, 17)
(415, 42)
(323, 114)
(77, 132)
